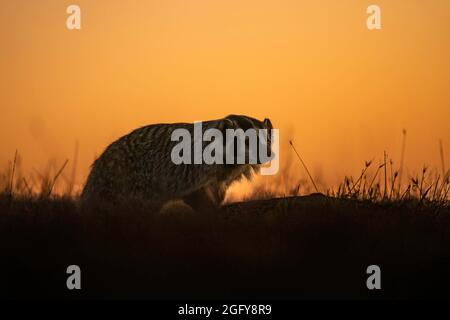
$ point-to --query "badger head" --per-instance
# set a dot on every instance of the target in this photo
(247, 140)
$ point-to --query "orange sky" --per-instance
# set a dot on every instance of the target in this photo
(341, 92)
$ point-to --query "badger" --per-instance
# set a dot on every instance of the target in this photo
(139, 166)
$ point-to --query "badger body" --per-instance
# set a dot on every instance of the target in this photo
(139, 166)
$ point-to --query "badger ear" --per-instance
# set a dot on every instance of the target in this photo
(268, 123)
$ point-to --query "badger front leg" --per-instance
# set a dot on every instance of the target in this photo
(206, 199)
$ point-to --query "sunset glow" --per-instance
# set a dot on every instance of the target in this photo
(342, 93)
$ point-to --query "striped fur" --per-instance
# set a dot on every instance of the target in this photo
(138, 166)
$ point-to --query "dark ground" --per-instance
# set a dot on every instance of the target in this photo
(299, 247)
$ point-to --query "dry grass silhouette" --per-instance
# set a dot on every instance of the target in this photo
(269, 246)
